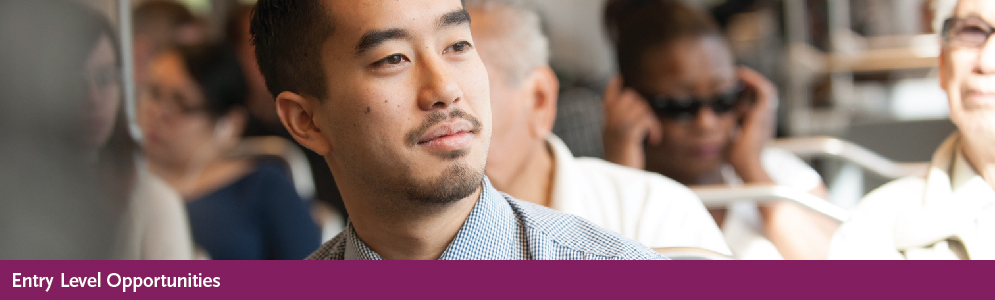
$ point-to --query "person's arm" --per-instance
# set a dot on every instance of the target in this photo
(629, 121)
(797, 232)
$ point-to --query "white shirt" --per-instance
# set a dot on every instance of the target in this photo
(646, 207)
(743, 226)
(949, 214)
(155, 225)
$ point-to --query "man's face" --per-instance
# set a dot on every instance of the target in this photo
(408, 111)
(967, 72)
(510, 101)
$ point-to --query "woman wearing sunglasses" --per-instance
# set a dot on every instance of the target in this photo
(682, 108)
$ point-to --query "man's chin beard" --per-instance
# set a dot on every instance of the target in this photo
(456, 183)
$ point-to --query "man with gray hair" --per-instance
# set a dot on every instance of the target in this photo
(949, 213)
(528, 162)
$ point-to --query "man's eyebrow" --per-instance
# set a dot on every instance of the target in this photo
(373, 38)
(454, 18)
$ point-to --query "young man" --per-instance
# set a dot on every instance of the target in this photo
(949, 214)
(395, 97)
(530, 163)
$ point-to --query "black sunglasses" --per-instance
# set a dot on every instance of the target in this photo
(687, 107)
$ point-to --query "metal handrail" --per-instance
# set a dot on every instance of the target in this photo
(127, 47)
(860, 156)
(722, 196)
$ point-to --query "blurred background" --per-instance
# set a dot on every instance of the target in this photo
(856, 72)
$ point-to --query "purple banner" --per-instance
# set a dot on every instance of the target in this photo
(183, 280)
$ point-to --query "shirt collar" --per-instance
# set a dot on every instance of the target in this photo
(355, 249)
(966, 182)
(564, 172)
(490, 232)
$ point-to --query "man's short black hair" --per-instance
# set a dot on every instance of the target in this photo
(288, 35)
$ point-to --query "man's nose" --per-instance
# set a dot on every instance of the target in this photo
(986, 58)
(439, 89)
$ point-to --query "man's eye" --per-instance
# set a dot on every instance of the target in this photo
(393, 59)
(459, 47)
(973, 34)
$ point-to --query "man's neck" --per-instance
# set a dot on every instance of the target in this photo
(982, 158)
(408, 233)
(533, 181)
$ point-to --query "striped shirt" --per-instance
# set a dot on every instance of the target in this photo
(503, 228)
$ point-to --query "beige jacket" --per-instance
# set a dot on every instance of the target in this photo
(949, 214)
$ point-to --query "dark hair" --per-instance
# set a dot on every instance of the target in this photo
(288, 36)
(636, 26)
(154, 13)
(215, 69)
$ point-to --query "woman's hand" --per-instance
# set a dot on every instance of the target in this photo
(629, 121)
(757, 128)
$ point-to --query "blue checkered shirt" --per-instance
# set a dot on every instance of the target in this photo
(504, 228)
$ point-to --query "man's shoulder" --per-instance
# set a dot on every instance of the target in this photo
(633, 183)
(652, 208)
(334, 249)
(556, 235)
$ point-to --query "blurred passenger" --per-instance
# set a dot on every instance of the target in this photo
(191, 120)
(949, 214)
(528, 162)
(683, 109)
(263, 120)
(81, 172)
(160, 25)
(395, 97)
(156, 225)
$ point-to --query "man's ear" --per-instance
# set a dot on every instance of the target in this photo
(297, 115)
(545, 89)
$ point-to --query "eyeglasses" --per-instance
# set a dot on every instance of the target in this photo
(172, 101)
(687, 107)
(967, 32)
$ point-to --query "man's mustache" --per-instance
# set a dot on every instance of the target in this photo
(437, 117)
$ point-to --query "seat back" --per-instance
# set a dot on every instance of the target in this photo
(288, 153)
